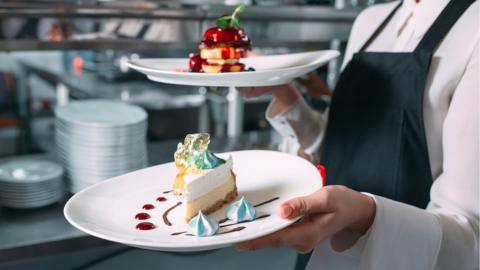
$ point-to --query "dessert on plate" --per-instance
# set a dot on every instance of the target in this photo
(202, 225)
(205, 181)
(222, 47)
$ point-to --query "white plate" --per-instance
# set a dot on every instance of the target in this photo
(107, 209)
(100, 114)
(269, 70)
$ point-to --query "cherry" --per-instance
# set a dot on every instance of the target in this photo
(195, 63)
(232, 36)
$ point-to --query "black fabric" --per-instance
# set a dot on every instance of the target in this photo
(381, 27)
(375, 140)
(442, 24)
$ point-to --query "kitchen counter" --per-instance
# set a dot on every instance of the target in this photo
(33, 233)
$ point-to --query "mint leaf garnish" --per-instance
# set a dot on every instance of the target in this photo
(239, 9)
(231, 20)
(223, 22)
(234, 21)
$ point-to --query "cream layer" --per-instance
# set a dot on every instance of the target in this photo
(197, 185)
(213, 200)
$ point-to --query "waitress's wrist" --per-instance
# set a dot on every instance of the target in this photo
(367, 211)
(284, 96)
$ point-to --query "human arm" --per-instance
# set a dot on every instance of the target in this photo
(300, 127)
(445, 235)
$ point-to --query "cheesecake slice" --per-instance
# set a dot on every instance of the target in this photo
(204, 181)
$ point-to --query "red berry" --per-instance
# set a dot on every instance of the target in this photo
(234, 37)
(195, 63)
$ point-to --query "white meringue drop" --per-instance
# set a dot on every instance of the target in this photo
(202, 225)
(241, 210)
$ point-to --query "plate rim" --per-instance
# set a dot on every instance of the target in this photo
(137, 67)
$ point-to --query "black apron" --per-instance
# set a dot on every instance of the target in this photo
(375, 139)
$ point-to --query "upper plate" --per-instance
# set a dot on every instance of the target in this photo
(107, 210)
(269, 70)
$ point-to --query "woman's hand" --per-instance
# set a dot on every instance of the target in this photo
(326, 212)
(314, 85)
(285, 95)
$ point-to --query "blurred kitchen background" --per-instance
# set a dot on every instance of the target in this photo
(56, 52)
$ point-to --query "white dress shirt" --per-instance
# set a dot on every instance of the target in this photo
(446, 234)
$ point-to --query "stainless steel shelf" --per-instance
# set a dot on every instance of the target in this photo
(202, 12)
(70, 12)
(289, 26)
(93, 44)
(286, 13)
(135, 45)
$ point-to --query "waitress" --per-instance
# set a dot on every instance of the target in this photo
(403, 129)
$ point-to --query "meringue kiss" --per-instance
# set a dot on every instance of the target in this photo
(241, 210)
(202, 225)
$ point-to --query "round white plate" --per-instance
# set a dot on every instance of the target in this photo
(269, 70)
(107, 210)
(100, 114)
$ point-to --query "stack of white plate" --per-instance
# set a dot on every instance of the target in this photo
(29, 183)
(99, 139)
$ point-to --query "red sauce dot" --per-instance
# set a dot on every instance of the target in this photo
(144, 226)
(142, 216)
(161, 199)
(148, 207)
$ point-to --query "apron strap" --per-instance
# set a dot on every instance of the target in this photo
(380, 28)
(442, 24)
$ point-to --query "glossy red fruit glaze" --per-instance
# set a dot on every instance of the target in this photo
(148, 207)
(142, 216)
(195, 63)
(144, 226)
(231, 36)
(161, 199)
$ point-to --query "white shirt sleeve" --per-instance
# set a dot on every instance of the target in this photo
(300, 126)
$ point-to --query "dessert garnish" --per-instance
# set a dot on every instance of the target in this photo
(142, 216)
(145, 226)
(202, 225)
(221, 225)
(222, 46)
(148, 206)
(232, 20)
(241, 210)
(193, 157)
(205, 181)
(165, 214)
